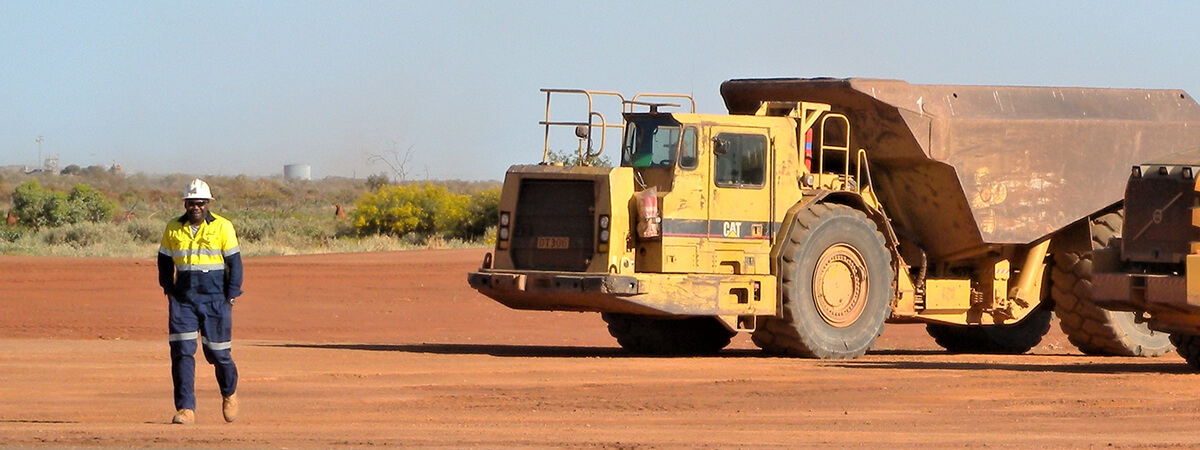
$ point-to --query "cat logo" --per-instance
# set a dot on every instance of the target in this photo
(553, 243)
(732, 229)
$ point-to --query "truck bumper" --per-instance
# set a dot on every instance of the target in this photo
(557, 291)
(1140, 292)
(1171, 302)
(651, 294)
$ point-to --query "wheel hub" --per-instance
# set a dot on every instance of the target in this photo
(840, 285)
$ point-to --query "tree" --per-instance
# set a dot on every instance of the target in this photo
(397, 161)
(374, 182)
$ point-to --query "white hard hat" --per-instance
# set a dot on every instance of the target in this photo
(197, 189)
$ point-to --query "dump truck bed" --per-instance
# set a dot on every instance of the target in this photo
(961, 167)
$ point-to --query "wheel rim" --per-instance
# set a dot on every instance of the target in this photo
(840, 285)
(1142, 328)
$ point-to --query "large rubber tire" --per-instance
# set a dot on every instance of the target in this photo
(836, 285)
(1094, 330)
(994, 339)
(661, 336)
(1188, 346)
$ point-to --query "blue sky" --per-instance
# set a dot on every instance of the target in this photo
(219, 87)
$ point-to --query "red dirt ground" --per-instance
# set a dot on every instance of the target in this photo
(359, 350)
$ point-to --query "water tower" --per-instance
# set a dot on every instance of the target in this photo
(297, 172)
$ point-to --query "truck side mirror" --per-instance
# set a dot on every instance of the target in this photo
(719, 147)
(581, 131)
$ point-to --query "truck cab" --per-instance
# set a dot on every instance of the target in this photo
(713, 184)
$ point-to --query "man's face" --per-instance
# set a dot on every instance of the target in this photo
(197, 210)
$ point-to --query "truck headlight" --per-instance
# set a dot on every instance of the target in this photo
(602, 237)
(604, 222)
(502, 233)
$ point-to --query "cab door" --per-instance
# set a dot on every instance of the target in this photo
(739, 208)
(684, 214)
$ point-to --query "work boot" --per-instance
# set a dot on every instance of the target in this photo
(184, 417)
(229, 407)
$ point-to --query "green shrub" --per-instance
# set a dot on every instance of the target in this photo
(11, 234)
(145, 231)
(571, 158)
(38, 207)
(310, 229)
(483, 212)
(42, 208)
(297, 230)
(86, 204)
(254, 229)
(77, 235)
(374, 182)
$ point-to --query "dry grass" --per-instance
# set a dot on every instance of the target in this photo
(129, 241)
(273, 216)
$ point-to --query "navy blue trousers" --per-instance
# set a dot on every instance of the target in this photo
(209, 318)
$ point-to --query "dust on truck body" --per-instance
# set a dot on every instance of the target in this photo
(1153, 270)
(818, 209)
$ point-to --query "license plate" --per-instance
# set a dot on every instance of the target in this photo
(553, 243)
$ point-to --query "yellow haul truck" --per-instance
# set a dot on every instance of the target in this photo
(1153, 270)
(818, 209)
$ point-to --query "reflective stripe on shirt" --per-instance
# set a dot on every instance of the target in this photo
(194, 252)
(199, 267)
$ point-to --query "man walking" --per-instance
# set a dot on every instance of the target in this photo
(200, 271)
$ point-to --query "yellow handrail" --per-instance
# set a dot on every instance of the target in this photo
(860, 162)
(596, 119)
(592, 113)
(844, 149)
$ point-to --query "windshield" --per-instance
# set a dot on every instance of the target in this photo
(650, 143)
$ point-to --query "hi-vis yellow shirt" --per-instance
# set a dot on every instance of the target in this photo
(203, 266)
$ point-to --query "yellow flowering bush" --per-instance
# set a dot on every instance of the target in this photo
(424, 209)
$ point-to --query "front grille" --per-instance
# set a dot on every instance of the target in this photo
(1167, 238)
(554, 225)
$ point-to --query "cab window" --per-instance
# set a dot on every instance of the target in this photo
(740, 160)
(687, 149)
(650, 143)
